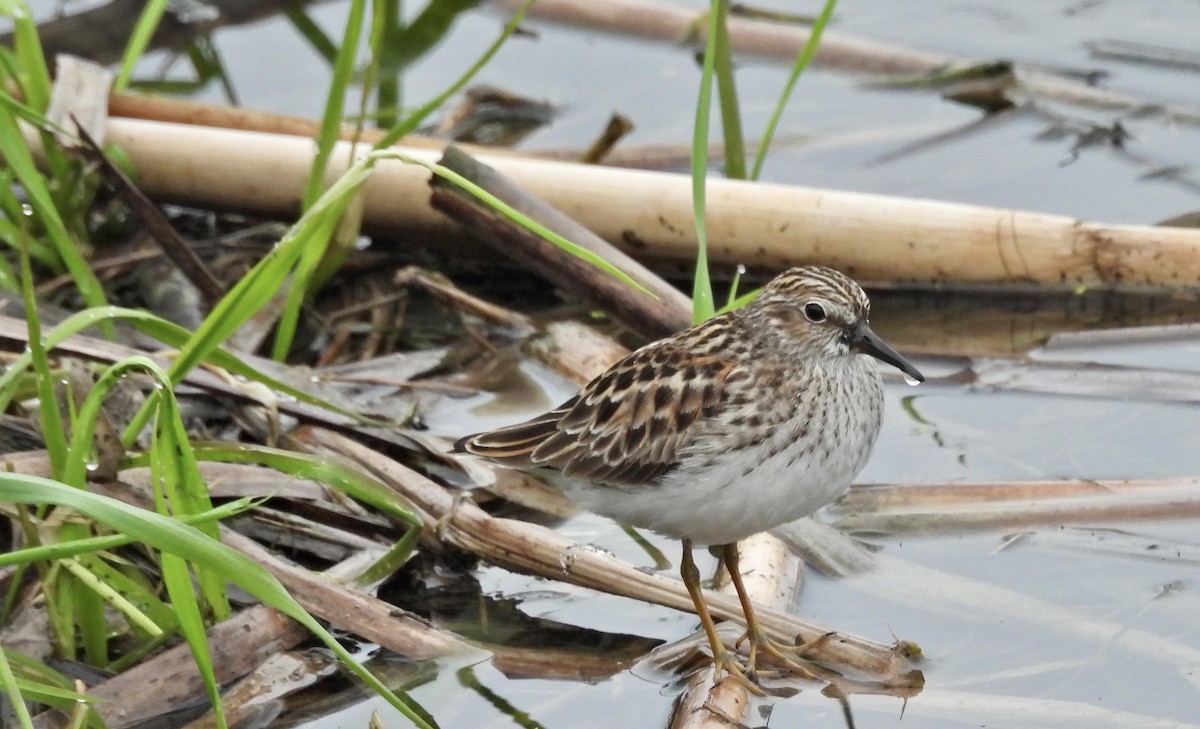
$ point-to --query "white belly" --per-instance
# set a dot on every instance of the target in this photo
(739, 496)
(729, 504)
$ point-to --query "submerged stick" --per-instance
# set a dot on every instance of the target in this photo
(1174, 499)
(877, 497)
(677, 24)
(939, 592)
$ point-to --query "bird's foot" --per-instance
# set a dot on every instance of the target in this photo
(731, 664)
(781, 656)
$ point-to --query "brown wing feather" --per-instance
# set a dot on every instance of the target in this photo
(624, 428)
(513, 444)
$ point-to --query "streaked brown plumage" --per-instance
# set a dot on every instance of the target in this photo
(752, 419)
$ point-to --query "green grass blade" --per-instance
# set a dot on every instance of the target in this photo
(321, 43)
(33, 74)
(703, 306)
(802, 60)
(145, 612)
(41, 684)
(60, 602)
(731, 113)
(437, 15)
(414, 119)
(178, 581)
(257, 288)
(302, 280)
(207, 66)
(62, 550)
(176, 474)
(517, 217)
(89, 612)
(394, 559)
(16, 701)
(733, 287)
(139, 41)
(170, 535)
(8, 277)
(12, 225)
(407, 44)
(384, 19)
(43, 694)
(741, 300)
(20, 161)
(336, 473)
(335, 101)
(388, 82)
(75, 472)
(102, 586)
(53, 432)
(167, 332)
(268, 275)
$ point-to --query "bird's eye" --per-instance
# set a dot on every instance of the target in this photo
(814, 312)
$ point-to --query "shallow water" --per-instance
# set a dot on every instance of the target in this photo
(1035, 634)
(1031, 635)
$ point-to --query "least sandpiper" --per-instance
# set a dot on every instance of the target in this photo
(752, 419)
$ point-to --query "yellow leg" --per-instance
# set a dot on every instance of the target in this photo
(754, 631)
(723, 660)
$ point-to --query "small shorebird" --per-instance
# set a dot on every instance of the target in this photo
(752, 419)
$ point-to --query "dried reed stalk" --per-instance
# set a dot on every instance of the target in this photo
(170, 681)
(351, 609)
(873, 237)
(676, 24)
(657, 312)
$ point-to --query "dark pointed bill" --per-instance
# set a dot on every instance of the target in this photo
(862, 339)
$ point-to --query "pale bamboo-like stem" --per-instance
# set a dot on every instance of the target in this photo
(184, 111)
(768, 227)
